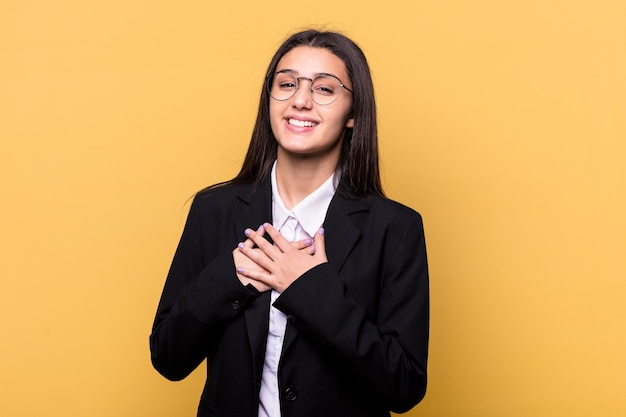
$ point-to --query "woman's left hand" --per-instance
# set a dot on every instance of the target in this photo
(282, 262)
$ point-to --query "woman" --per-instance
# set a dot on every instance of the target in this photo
(295, 319)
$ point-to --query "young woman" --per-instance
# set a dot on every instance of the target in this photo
(304, 287)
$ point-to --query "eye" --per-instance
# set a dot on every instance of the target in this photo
(325, 90)
(287, 85)
(325, 86)
(285, 82)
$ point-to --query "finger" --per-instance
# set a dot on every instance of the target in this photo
(258, 255)
(250, 276)
(249, 242)
(319, 245)
(244, 265)
(279, 240)
(302, 244)
(305, 246)
(262, 243)
(252, 273)
(308, 246)
(309, 250)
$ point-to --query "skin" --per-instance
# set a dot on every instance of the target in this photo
(277, 266)
(306, 157)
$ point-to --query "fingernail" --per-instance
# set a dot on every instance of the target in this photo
(240, 270)
(265, 225)
(247, 232)
(240, 245)
(313, 248)
(322, 231)
(260, 228)
(308, 242)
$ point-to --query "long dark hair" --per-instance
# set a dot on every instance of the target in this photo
(358, 161)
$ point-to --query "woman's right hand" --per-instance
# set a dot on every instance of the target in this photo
(242, 261)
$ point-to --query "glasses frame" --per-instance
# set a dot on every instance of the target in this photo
(270, 81)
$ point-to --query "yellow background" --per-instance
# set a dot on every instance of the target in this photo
(502, 122)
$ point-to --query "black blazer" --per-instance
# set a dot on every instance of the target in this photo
(357, 333)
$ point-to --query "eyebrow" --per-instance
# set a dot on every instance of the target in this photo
(317, 74)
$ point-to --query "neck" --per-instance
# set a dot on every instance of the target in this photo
(296, 179)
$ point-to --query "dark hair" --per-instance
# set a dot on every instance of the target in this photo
(358, 161)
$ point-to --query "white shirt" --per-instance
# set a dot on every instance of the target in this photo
(301, 222)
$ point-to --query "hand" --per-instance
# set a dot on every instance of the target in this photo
(278, 266)
(242, 262)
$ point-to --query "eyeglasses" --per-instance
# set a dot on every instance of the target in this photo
(325, 88)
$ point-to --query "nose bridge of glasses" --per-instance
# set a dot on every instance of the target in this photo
(305, 94)
(310, 80)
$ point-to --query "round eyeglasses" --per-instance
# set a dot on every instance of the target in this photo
(325, 88)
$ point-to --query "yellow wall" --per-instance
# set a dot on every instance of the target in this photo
(503, 122)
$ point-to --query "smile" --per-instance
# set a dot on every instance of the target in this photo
(301, 123)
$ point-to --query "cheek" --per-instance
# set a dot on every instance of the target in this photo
(341, 119)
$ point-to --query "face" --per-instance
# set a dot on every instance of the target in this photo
(302, 127)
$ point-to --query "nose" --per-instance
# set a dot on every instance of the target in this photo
(302, 98)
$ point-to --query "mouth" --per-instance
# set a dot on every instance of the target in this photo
(301, 123)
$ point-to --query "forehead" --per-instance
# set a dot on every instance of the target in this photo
(308, 61)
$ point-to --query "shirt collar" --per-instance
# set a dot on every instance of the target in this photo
(310, 212)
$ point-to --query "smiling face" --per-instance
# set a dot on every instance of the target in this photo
(303, 128)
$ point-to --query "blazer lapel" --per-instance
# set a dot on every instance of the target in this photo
(255, 209)
(341, 229)
(341, 234)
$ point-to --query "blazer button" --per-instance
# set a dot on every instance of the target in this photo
(291, 394)
(236, 305)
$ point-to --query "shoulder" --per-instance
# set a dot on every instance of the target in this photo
(385, 208)
(220, 196)
(220, 190)
(377, 215)
(396, 223)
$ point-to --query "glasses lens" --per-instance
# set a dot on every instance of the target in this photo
(283, 86)
(324, 89)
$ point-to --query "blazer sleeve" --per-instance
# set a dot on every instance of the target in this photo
(386, 354)
(201, 294)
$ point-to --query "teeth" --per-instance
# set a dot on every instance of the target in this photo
(301, 123)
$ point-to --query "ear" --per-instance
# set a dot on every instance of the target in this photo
(350, 123)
